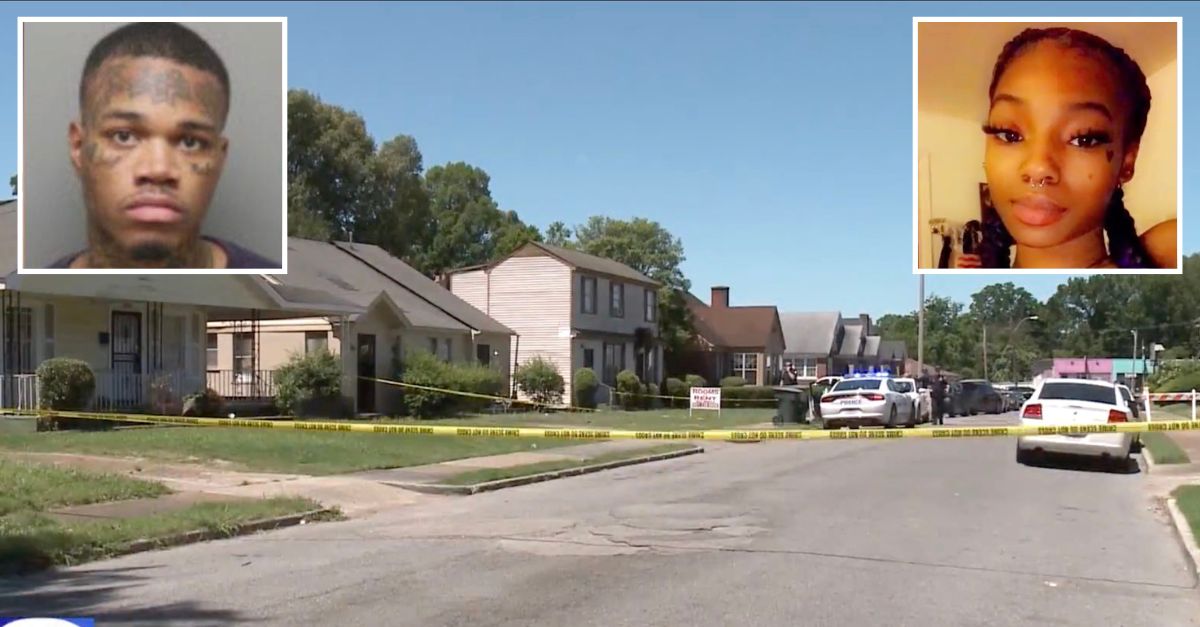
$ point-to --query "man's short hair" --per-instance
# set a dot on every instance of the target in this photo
(166, 40)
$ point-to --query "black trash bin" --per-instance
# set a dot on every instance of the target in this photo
(791, 405)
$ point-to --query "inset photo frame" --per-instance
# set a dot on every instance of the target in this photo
(152, 145)
(1047, 145)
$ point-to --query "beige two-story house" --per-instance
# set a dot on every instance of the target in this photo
(570, 308)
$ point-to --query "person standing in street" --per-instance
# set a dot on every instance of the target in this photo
(938, 394)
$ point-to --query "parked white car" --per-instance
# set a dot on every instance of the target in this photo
(1076, 402)
(866, 401)
(922, 402)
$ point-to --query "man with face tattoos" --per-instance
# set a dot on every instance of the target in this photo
(149, 150)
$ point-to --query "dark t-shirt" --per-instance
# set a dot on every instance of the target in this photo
(239, 258)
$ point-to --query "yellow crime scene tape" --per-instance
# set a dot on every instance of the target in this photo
(628, 434)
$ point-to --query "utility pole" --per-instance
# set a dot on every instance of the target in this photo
(1135, 347)
(921, 327)
(985, 368)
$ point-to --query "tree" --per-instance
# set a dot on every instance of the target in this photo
(328, 164)
(12, 182)
(468, 227)
(557, 234)
(398, 216)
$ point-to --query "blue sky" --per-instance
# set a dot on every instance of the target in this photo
(774, 139)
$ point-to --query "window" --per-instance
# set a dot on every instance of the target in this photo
(213, 362)
(651, 306)
(616, 299)
(483, 353)
(745, 365)
(589, 358)
(315, 341)
(18, 339)
(243, 357)
(614, 362)
(805, 367)
(446, 349)
(48, 332)
(587, 294)
(433, 344)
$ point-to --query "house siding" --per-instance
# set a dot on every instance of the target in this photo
(531, 296)
(602, 321)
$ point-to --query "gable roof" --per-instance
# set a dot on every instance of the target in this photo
(871, 348)
(809, 333)
(888, 348)
(423, 287)
(851, 341)
(574, 258)
(733, 327)
(325, 267)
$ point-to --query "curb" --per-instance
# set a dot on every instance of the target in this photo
(512, 482)
(203, 535)
(1184, 530)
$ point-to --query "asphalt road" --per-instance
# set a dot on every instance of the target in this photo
(908, 532)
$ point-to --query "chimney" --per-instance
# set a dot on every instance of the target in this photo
(720, 297)
(866, 323)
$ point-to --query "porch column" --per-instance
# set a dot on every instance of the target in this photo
(349, 357)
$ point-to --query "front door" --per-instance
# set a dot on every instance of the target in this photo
(366, 368)
(126, 384)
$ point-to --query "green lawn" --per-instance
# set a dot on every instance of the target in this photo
(495, 474)
(648, 420)
(1187, 497)
(1164, 449)
(299, 452)
(1174, 411)
(32, 540)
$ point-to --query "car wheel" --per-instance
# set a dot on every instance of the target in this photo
(1024, 456)
(891, 418)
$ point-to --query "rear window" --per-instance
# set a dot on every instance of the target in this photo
(1078, 392)
(856, 384)
(1125, 394)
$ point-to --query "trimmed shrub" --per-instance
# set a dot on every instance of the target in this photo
(695, 381)
(629, 388)
(585, 383)
(540, 381)
(747, 396)
(676, 388)
(316, 376)
(733, 382)
(425, 369)
(65, 384)
(206, 404)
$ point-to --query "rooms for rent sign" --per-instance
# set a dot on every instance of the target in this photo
(706, 398)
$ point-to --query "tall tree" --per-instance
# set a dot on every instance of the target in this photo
(398, 216)
(468, 227)
(558, 234)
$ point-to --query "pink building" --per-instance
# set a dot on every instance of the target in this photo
(1083, 368)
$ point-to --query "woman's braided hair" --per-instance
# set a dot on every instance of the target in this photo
(1124, 245)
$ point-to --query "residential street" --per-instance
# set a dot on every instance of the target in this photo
(910, 532)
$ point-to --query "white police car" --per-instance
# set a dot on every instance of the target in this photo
(867, 399)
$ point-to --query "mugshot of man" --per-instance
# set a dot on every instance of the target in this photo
(149, 151)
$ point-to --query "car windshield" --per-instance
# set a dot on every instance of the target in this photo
(856, 384)
(1078, 392)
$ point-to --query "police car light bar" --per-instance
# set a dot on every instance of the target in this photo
(883, 372)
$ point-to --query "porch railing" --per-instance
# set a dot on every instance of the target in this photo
(233, 384)
(160, 392)
(19, 391)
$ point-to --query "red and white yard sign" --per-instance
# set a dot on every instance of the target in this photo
(705, 398)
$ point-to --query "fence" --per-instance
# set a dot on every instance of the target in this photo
(19, 391)
(161, 391)
(245, 385)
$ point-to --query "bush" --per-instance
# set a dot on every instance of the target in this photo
(1185, 382)
(425, 369)
(208, 404)
(316, 376)
(585, 383)
(649, 391)
(629, 388)
(678, 390)
(540, 381)
(65, 384)
(695, 381)
(1168, 372)
(748, 396)
(733, 382)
